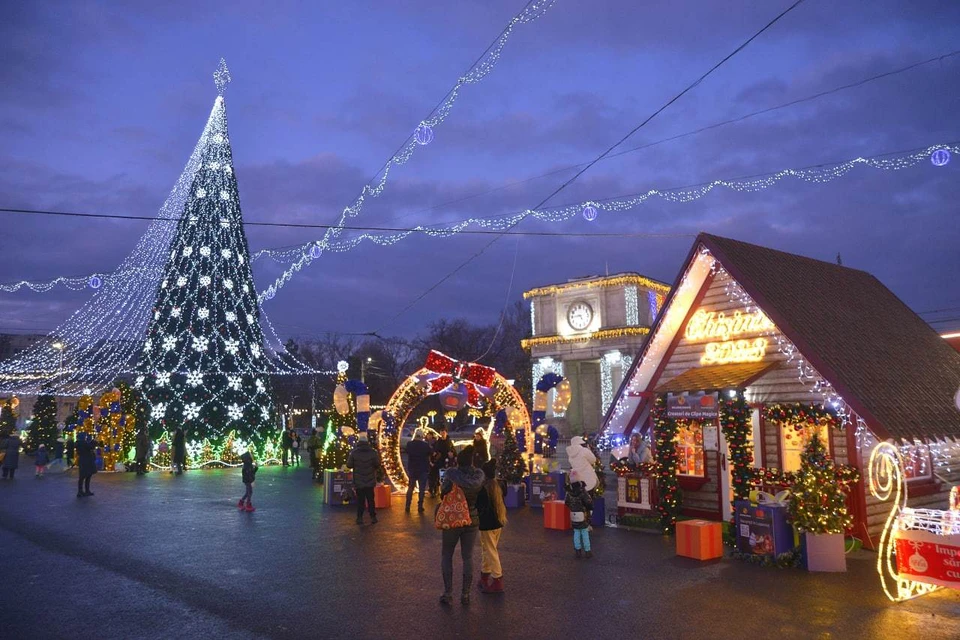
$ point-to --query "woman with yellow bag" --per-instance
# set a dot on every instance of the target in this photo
(457, 518)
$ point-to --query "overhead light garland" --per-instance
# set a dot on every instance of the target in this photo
(603, 334)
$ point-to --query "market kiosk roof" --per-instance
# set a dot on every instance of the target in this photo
(889, 365)
(724, 376)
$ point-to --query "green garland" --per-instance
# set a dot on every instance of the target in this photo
(735, 420)
(786, 560)
(792, 413)
(668, 487)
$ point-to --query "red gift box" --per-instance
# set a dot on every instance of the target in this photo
(382, 496)
(556, 515)
(699, 539)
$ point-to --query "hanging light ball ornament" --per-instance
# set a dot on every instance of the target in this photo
(589, 213)
(94, 282)
(342, 366)
(454, 397)
(424, 134)
(940, 157)
(315, 251)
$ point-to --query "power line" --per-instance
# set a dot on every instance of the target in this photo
(932, 311)
(595, 160)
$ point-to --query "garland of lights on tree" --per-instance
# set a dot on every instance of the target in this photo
(818, 500)
(665, 431)
(203, 366)
(735, 421)
(341, 431)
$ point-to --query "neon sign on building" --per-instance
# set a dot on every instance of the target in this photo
(721, 330)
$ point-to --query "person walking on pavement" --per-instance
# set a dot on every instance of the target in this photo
(295, 446)
(71, 448)
(314, 446)
(418, 468)
(286, 442)
(41, 460)
(58, 449)
(493, 516)
(469, 479)
(86, 462)
(179, 451)
(441, 451)
(481, 452)
(580, 503)
(365, 462)
(142, 445)
(11, 458)
(248, 475)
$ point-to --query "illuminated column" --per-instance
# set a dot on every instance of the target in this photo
(632, 305)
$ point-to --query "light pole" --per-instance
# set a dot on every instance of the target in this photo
(363, 369)
(58, 345)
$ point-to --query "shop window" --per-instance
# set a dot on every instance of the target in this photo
(793, 441)
(917, 463)
(690, 450)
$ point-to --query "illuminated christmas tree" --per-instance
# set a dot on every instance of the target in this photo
(203, 365)
(818, 502)
(511, 465)
(342, 426)
(43, 428)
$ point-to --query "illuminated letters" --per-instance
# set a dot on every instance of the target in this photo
(713, 325)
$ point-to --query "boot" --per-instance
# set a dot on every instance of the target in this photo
(495, 585)
(578, 552)
(359, 519)
(589, 554)
(250, 508)
(446, 599)
(482, 582)
(240, 504)
(465, 593)
(373, 519)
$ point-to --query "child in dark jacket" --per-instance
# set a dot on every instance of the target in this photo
(248, 474)
(580, 503)
(42, 460)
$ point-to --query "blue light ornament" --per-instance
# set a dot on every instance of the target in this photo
(940, 157)
(589, 213)
(423, 134)
(94, 282)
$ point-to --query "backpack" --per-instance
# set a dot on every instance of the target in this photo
(453, 512)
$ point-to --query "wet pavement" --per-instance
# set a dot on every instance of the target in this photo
(170, 556)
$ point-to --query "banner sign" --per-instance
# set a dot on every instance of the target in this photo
(927, 557)
(694, 406)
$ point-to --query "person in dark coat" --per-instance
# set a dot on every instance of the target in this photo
(86, 462)
(580, 503)
(481, 452)
(286, 443)
(438, 459)
(142, 446)
(469, 479)
(365, 462)
(58, 449)
(248, 475)
(418, 468)
(71, 449)
(179, 451)
(41, 460)
(493, 515)
(12, 459)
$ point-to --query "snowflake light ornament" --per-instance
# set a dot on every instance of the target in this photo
(205, 251)
(139, 382)
(228, 169)
(163, 285)
(191, 411)
(234, 382)
(224, 195)
(147, 345)
(260, 386)
(163, 378)
(158, 410)
(201, 192)
(228, 283)
(250, 318)
(265, 413)
(200, 343)
(255, 350)
(194, 378)
(175, 312)
(224, 223)
(246, 289)
(187, 252)
(234, 411)
(214, 165)
(225, 253)
(231, 316)
(181, 281)
(169, 343)
(205, 281)
(231, 346)
(203, 313)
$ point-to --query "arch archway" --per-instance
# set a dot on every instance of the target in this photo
(411, 393)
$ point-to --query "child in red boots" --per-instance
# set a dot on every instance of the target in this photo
(248, 475)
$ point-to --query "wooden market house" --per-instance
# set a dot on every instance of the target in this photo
(782, 341)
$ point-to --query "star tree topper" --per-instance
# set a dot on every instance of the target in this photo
(221, 77)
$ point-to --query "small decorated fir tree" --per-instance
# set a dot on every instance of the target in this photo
(511, 464)
(818, 503)
(340, 433)
(43, 429)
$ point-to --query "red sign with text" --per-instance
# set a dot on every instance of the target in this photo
(927, 557)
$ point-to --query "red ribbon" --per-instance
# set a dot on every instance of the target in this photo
(470, 374)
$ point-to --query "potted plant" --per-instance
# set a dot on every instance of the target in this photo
(818, 508)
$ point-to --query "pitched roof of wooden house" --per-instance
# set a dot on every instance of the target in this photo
(889, 365)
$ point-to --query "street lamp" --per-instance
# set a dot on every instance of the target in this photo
(59, 346)
(363, 369)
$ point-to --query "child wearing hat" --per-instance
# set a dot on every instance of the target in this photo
(42, 460)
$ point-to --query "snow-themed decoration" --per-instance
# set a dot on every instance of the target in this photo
(218, 138)
(147, 344)
(191, 411)
(156, 315)
(260, 386)
(255, 350)
(169, 343)
(232, 346)
(203, 313)
(94, 282)
(181, 281)
(231, 316)
(228, 283)
(200, 343)
(205, 281)
(194, 378)
(240, 258)
(234, 382)
(228, 169)
(315, 251)
(224, 195)
(225, 253)
(424, 134)
(224, 223)
(138, 381)
(214, 165)
(581, 463)
(940, 157)
(163, 378)
(175, 312)
(187, 252)
(246, 289)
(589, 213)
(265, 412)
(234, 411)
(158, 410)
(163, 285)
(192, 220)
(205, 251)
(201, 193)
(342, 366)
(249, 318)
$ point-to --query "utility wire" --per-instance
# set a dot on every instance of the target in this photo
(594, 161)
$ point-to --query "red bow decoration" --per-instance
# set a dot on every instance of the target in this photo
(472, 375)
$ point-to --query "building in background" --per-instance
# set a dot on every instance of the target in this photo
(588, 330)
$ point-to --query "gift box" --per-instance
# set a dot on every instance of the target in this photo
(762, 529)
(598, 517)
(699, 539)
(516, 496)
(382, 496)
(556, 515)
(824, 552)
(338, 487)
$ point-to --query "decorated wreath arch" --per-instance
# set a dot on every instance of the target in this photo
(480, 386)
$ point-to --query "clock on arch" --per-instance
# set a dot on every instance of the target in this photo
(579, 315)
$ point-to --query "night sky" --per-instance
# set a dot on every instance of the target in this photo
(102, 103)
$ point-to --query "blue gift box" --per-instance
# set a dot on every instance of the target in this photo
(543, 487)
(762, 529)
(598, 517)
(516, 496)
(338, 487)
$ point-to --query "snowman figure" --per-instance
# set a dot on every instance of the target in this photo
(581, 463)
